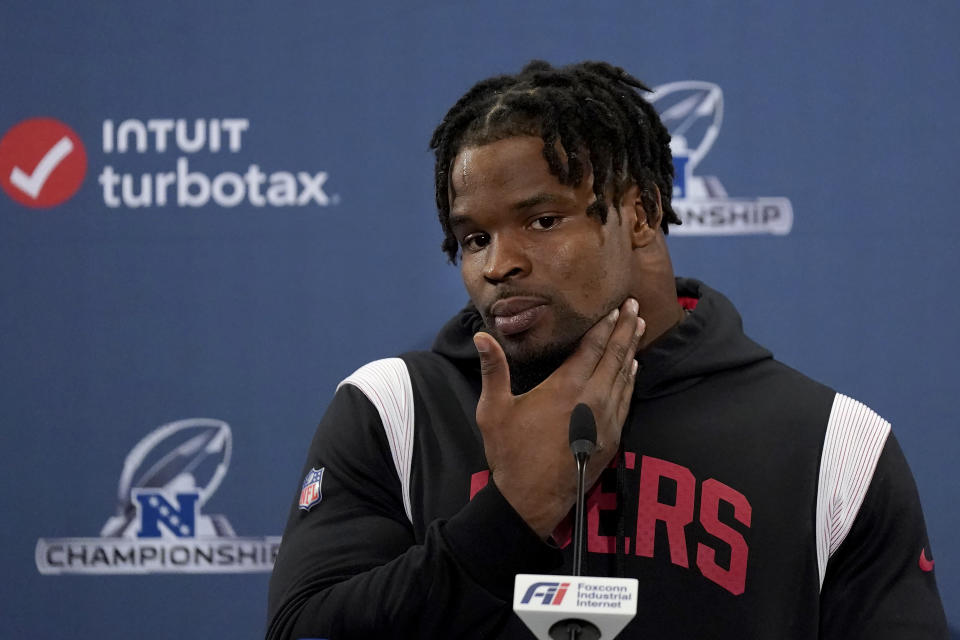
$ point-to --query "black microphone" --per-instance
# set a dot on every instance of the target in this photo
(583, 441)
(583, 431)
(559, 607)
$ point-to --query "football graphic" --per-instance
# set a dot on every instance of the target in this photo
(692, 110)
(186, 456)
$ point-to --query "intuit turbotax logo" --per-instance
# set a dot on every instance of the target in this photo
(43, 163)
(159, 526)
(692, 111)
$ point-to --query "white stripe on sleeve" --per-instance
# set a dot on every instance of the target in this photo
(386, 383)
(851, 447)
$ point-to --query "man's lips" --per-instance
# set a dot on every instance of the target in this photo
(516, 314)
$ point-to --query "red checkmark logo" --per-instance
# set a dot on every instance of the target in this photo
(42, 162)
(925, 563)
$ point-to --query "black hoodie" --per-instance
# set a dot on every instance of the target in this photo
(749, 501)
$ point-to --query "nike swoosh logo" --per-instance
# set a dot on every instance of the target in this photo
(925, 563)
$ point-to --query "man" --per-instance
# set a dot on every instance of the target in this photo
(749, 501)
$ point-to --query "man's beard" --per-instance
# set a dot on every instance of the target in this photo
(531, 365)
(527, 373)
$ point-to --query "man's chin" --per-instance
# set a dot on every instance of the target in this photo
(531, 364)
(536, 353)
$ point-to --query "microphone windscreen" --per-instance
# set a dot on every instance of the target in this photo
(583, 426)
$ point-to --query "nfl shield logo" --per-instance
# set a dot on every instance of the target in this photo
(310, 492)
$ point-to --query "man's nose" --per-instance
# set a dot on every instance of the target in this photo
(506, 259)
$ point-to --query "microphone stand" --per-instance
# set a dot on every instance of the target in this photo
(539, 599)
(579, 527)
(583, 440)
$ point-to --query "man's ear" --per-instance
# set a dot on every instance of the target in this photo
(646, 224)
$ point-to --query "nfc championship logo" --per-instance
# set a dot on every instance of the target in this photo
(159, 525)
(692, 111)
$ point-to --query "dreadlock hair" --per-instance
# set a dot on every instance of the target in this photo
(590, 109)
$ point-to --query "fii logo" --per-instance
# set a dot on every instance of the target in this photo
(42, 162)
(549, 593)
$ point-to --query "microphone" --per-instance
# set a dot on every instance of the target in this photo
(598, 607)
(583, 431)
(583, 441)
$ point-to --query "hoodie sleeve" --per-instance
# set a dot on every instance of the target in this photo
(880, 582)
(350, 566)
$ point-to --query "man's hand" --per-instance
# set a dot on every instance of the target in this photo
(525, 438)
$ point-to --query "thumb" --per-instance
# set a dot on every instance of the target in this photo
(494, 372)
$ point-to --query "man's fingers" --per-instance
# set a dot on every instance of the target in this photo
(624, 374)
(581, 365)
(625, 393)
(494, 372)
(614, 366)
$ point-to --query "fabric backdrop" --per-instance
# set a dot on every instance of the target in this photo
(213, 212)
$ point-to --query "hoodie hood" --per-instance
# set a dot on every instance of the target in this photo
(708, 340)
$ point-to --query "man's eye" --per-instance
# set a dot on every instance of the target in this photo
(545, 222)
(475, 241)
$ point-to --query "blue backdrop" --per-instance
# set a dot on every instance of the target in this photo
(178, 312)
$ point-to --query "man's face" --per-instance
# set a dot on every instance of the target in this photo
(537, 267)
